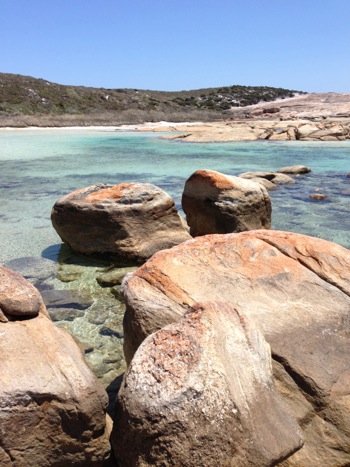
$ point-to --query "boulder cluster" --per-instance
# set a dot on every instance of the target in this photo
(52, 407)
(203, 312)
(308, 131)
(255, 128)
(236, 340)
(131, 221)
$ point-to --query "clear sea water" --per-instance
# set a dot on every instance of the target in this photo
(39, 166)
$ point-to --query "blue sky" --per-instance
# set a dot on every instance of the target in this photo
(179, 44)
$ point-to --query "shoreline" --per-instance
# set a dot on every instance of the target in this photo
(296, 129)
(257, 129)
(147, 126)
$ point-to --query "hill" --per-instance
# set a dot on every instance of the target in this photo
(28, 100)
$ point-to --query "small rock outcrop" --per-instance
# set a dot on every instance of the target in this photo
(218, 203)
(129, 222)
(318, 196)
(322, 132)
(295, 170)
(273, 177)
(296, 290)
(200, 392)
(52, 407)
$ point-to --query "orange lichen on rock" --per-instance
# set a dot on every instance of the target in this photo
(217, 203)
(111, 193)
(214, 179)
(173, 353)
(129, 221)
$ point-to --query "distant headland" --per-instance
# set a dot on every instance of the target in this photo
(27, 101)
(230, 113)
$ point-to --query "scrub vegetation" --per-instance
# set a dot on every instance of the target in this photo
(30, 101)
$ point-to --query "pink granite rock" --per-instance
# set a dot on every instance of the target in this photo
(218, 203)
(200, 392)
(296, 289)
(52, 407)
(129, 222)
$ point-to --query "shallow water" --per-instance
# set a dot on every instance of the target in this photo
(39, 166)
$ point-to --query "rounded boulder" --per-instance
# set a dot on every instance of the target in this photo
(218, 203)
(52, 407)
(129, 222)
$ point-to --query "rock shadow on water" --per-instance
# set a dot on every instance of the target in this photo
(51, 252)
(39, 271)
(112, 391)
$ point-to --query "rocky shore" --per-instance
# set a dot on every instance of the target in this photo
(295, 290)
(311, 117)
(236, 336)
(254, 129)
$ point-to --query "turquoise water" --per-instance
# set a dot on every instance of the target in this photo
(39, 166)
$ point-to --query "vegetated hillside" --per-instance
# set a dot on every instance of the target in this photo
(24, 95)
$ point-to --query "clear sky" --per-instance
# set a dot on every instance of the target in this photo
(179, 44)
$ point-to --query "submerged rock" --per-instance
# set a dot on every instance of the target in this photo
(218, 203)
(318, 196)
(274, 177)
(39, 271)
(296, 289)
(113, 277)
(129, 222)
(264, 182)
(200, 392)
(52, 408)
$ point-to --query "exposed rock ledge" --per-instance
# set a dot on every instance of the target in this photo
(328, 129)
(309, 117)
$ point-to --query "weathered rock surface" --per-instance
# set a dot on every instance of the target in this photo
(295, 170)
(312, 106)
(113, 277)
(200, 392)
(264, 182)
(18, 298)
(297, 291)
(218, 203)
(52, 408)
(291, 129)
(130, 221)
(314, 117)
(274, 177)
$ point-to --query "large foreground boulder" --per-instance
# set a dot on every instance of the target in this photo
(296, 289)
(129, 222)
(218, 203)
(52, 408)
(200, 392)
